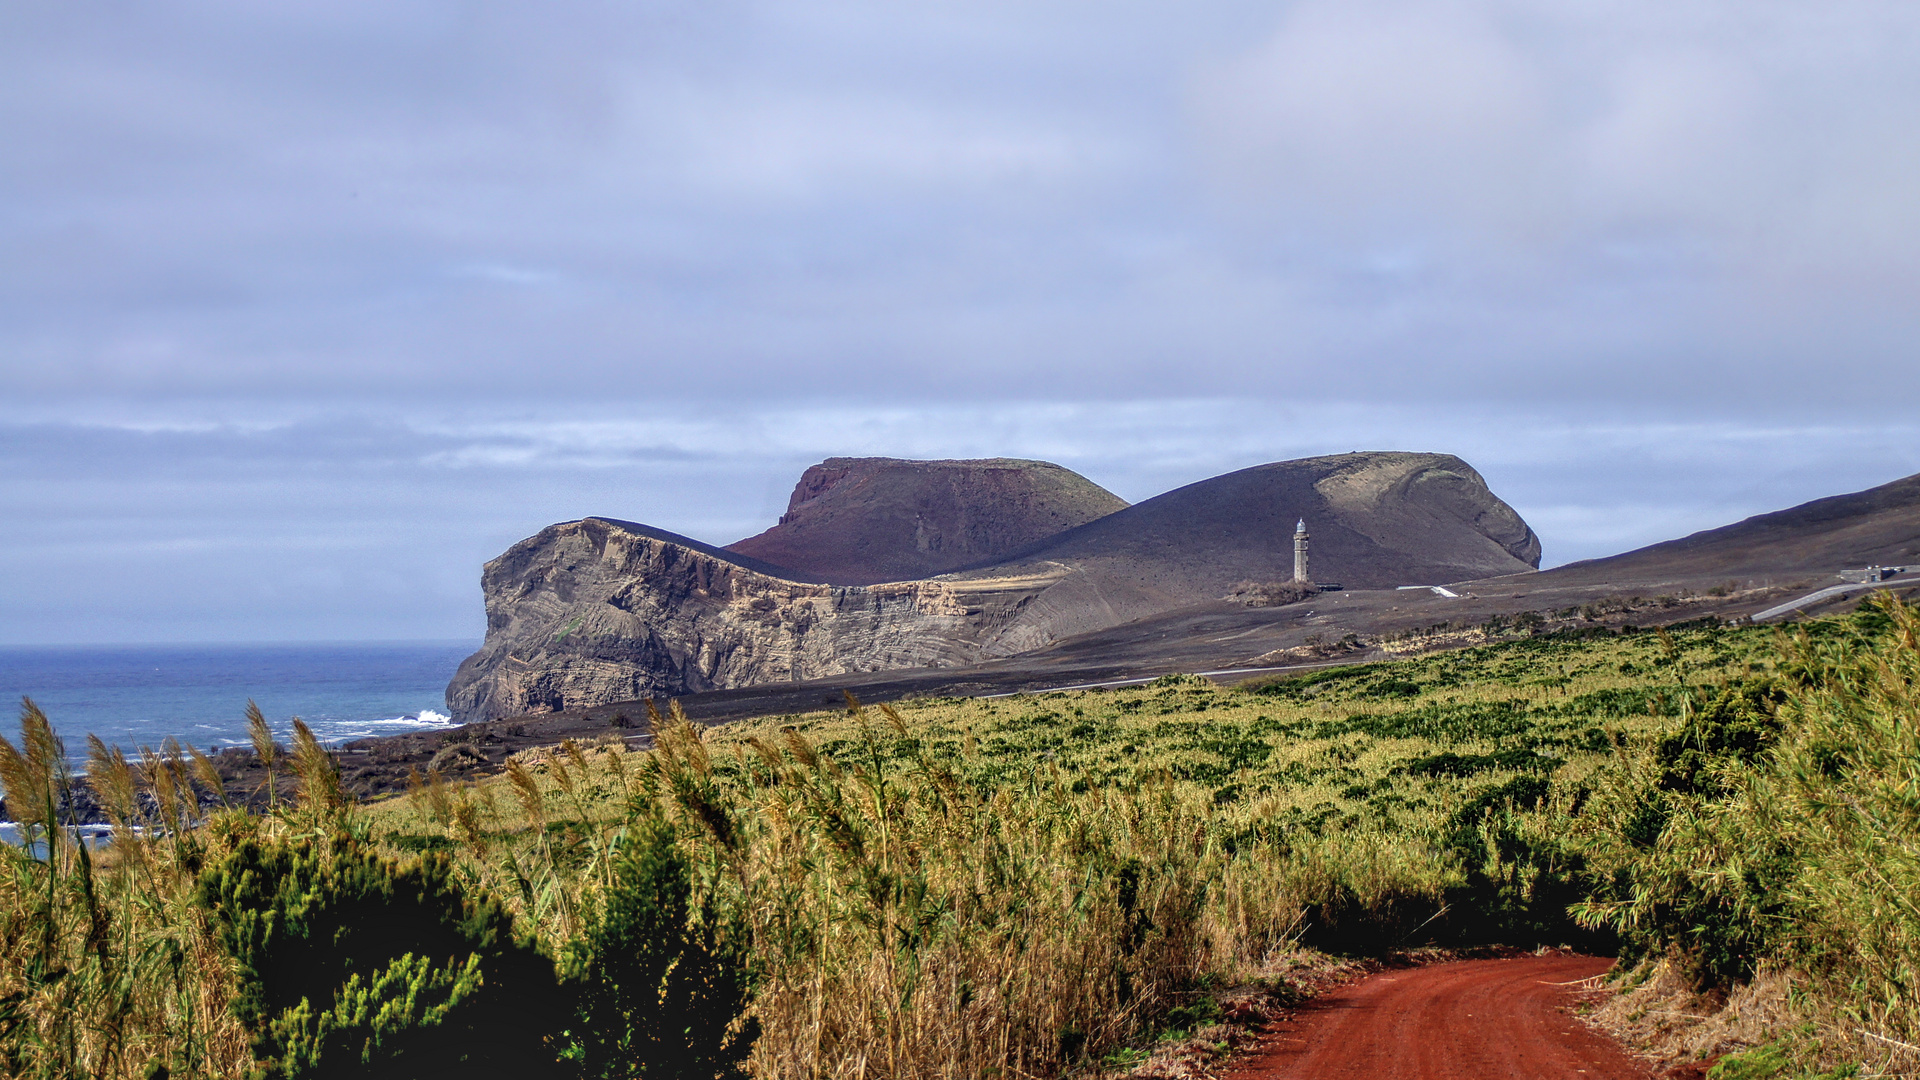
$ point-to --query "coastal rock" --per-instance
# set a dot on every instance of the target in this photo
(600, 610)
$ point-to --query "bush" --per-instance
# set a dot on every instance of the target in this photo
(1684, 866)
(662, 985)
(1271, 593)
(356, 965)
(1519, 873)
(1779, 822)
(1722, 741)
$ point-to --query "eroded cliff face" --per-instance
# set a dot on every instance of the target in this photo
(597, 610)
(1434, 507)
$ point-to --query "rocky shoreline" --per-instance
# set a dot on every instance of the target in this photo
(381, 767)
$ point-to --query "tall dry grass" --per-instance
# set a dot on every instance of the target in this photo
(1843, 794)
(906, 921)
(913, 925)
(108, 968)
(1019, 888)
(1026, 887)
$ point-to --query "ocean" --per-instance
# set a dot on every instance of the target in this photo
(139, 695)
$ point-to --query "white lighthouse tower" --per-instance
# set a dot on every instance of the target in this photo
(1300, 552)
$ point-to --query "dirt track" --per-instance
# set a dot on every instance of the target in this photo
(1467, 1020)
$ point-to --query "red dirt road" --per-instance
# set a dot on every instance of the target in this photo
(1467, 1020)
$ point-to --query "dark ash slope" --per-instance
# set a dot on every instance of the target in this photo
(1878, 526)
(861, 521)
(1377, 520)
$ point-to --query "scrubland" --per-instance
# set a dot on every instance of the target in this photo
(1030, 886)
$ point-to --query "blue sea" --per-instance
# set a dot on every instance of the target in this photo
(138, 695)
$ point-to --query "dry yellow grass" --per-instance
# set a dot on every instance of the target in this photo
(951, 888)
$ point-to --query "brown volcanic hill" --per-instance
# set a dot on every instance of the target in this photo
(1877, 526)
(1377, 520)
(860, 521)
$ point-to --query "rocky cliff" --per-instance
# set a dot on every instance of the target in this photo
(600, 610)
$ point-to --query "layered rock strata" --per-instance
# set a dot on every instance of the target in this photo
(601, 610)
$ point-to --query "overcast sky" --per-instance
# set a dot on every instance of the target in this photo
(307, 309)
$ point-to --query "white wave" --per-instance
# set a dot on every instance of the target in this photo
(425, 718)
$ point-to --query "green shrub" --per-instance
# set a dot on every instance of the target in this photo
(662, 984)
(1300, 686)
(1774, 1061)
(1519, 873)
(1723, 740)
(1684, 866)
(352, 964)
(1780, 822)
(1461, 766)
(1392, 688)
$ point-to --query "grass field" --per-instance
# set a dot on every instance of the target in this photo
(1044, 884)
(1362, 808)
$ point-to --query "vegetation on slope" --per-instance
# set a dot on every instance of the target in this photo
(1030, 884)
(1779, 827)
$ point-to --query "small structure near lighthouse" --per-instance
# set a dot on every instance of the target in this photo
(1300, 553)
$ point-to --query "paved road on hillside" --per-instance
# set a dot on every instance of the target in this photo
(1828, 593)
(1467, 1020)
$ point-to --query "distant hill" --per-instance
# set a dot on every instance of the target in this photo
(860, 521)
(1377, 520)
(597, 611)
(1877, 526)
(883, 565)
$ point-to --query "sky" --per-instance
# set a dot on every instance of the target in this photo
(309, 309)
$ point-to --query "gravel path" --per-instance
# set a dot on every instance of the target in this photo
(1467, 1020)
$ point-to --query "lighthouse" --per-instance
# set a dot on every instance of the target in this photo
(1300, 552)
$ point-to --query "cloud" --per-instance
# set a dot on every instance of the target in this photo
(1761, 147)
(1366, 112)
(1465, 199)
(413, 280)
(765, 145)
